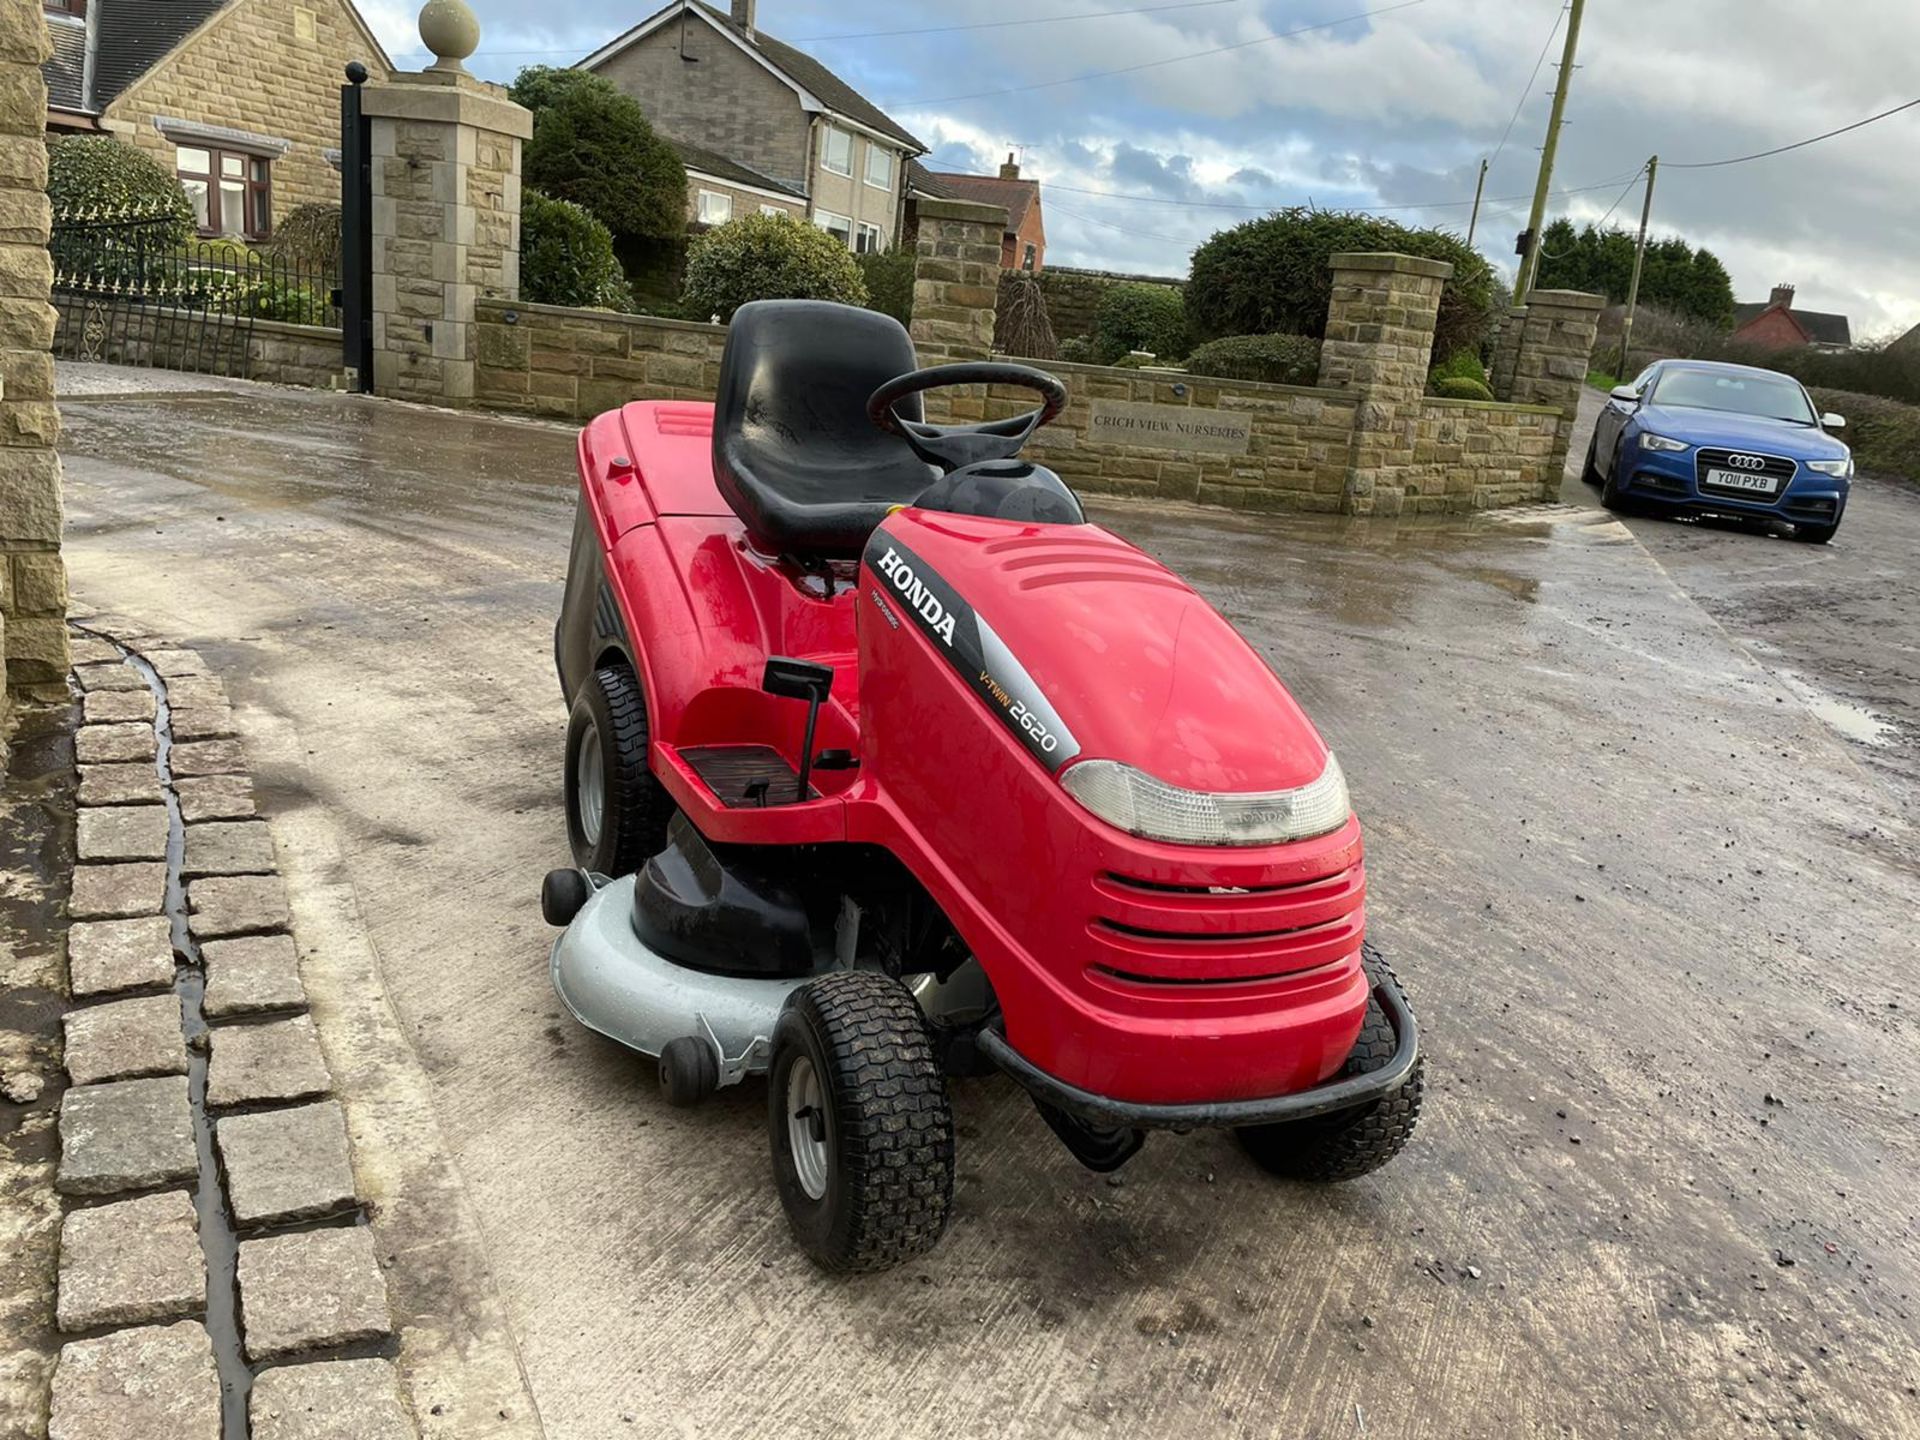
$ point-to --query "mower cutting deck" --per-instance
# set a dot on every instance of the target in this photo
(884, 765)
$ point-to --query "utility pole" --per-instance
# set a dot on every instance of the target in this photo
(1639, 258)
(1530, 262)
(1478, 186)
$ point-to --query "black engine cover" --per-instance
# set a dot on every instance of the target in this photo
(725, 912)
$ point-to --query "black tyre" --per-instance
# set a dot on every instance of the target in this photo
(1351, 1143)
(1612, 496)
(1814, 534)
(861, 1131)
(562, 893)
(689, 1071)
(1589, 472)
(617, 812)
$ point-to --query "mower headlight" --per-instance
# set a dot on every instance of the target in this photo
(1141, 805)
(1840, 468)
(1651, 441)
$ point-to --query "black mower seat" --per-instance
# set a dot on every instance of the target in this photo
(793, 451)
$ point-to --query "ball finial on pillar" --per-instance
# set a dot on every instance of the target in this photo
(448, 28)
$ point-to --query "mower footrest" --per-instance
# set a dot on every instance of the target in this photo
(746, 777)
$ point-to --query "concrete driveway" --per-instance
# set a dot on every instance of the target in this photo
(1656, 914)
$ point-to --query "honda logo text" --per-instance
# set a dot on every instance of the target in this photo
(917, 595)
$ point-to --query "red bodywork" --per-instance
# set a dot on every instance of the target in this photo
(1138, 970)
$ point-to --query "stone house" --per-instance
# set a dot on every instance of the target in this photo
(761, 124)
(1024, 245)
(239, 98)
(1777, 325)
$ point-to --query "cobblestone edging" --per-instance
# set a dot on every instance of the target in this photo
(217, 1269)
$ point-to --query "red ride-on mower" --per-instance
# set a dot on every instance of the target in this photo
(884, 765)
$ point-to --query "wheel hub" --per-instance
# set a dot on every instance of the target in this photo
(589, 785)
(807, 1128)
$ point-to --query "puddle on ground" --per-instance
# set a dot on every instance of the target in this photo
(1854, 722)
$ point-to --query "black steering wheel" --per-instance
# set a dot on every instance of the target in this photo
(952, 446)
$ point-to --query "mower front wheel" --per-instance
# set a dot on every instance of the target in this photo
(1348, 1143)
(617, 812)
(861, 1131)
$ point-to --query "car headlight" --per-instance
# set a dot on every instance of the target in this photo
(1135, 802)
(1650, 441)
(1841, 468)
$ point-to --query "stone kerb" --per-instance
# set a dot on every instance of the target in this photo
(1551, 353)
(1379, 341)
(956, 280)
(446, 225)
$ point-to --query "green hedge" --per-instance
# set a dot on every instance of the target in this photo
(767, 257)
(889, 278)
(1275, 359)
(1141, 317)
(1460, 387)
(566, 256)
(1461, 365)
(592, 145)
(96, 174)
(1271, 275)
(1884, 434)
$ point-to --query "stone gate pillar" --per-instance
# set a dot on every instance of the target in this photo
(956, 280)
(33, 581)
(1379, 341)
(446, 224)
(1551, 352)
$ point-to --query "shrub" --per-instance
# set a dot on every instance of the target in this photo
(1884, 434)
(1275, 359)
(768, 257)
(1075, 350)
(309, 237)
(1272, 275)
(1461, 365)
(1021, 324)
(889, 278)
(97, 173)
(566, 256)
(1460, 387)
(538, 87)
(592, 145)
(1141, 317)
(1674, 276)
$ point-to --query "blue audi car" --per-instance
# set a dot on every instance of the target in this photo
(1701, 438)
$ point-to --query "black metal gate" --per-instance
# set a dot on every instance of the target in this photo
(356, 233)
(133, 289)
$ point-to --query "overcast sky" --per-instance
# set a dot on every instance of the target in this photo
(1392, 110)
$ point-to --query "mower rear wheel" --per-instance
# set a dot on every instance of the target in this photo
(1349, 1143)
(861, 1131)
(617, 812)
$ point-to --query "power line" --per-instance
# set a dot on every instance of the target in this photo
(1123, 229)
(1371, 209)
(1621, 196)
(1527, 93)
(1797, 145)
(1156, 64)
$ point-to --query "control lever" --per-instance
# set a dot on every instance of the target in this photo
(800, 680)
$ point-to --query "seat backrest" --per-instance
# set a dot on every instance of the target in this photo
(793, 451)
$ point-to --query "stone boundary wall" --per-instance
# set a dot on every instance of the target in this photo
(278, 352)
(573, 364)
(1476, 454)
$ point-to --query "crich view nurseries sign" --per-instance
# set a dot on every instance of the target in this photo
(1177, 427)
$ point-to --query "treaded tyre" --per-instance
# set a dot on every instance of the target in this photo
(861, 1131)
(1814, 534)
(1350, 1143)
(1589, 472)
(1611, 496)
(617, 812)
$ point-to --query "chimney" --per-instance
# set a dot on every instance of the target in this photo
(1782, 297)
(743, 15)
(1010, 170)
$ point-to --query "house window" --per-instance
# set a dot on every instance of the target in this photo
(868, 240)
(879, 167)
(715, 208)
(232, 193)
(838, 226)
(75, 8)
(836, 152)
(1031, 256)
(771, 210)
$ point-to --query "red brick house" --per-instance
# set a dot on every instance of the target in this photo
(1024, 245)
(1776, 325)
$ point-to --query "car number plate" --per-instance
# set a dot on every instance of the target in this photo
(1737, 480)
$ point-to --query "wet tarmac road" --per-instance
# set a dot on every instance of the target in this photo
(1635, 885)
